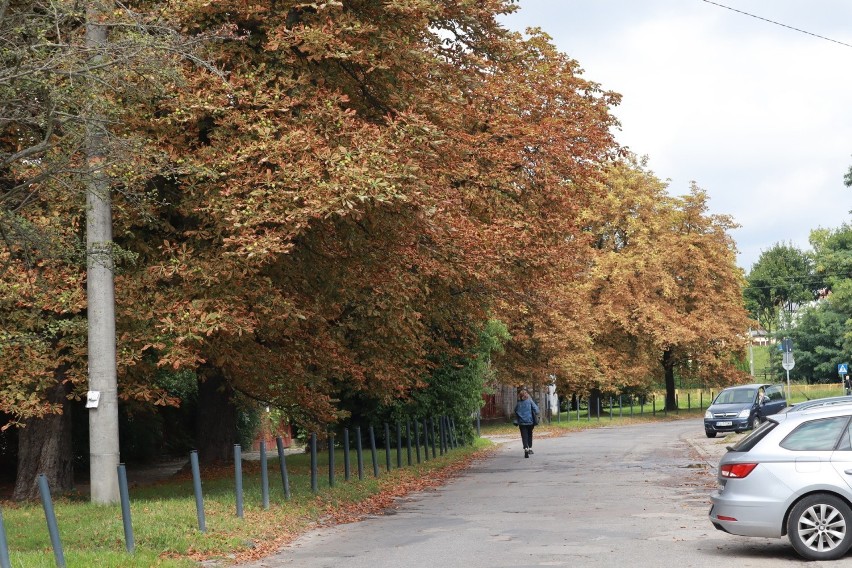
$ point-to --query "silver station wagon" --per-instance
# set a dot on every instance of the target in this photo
(791, 476)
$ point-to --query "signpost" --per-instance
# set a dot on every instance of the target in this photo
(842, 370)
(787, 362)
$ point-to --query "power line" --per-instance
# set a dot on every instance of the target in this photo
(777, 23)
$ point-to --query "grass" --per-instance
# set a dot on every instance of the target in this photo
(164, 518)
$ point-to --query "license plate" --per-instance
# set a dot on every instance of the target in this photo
(724, 423)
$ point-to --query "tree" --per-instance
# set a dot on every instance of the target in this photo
(65, 94)
(780, 279)
(347, 210)
(665, 284)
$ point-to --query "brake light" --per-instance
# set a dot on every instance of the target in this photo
(737, 470)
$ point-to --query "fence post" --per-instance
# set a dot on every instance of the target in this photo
(398, 445)
(264, 476)
(196, 485)
(331, 460)
(238, 477)
(373, 450)
(346, 468)
(314, 472)
(417, 439)
(408, 440)
(5, 562)
(50, 516)
(125, 508)
(426, 439)
(360, 452)
(282, 465)
(387, 448)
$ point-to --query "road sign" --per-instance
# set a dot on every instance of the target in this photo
(842, 369)
(788, 362)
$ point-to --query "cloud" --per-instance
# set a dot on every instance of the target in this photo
(753, 112)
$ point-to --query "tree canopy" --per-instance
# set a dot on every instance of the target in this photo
(372, 186)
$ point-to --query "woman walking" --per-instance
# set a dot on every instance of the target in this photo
(526, 414)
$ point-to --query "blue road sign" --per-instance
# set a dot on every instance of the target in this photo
(842, 368)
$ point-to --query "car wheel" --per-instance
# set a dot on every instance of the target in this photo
(710, 434)
(820, 527)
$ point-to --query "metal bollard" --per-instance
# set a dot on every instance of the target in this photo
(282, 465)
(314, 484)
(360, 452)
(264, 476)
(331, 460)
(346, 468)
(425, 440)
(238, 476)
(387, 448)
(125, 508)
(373, 451)
(417, 439)
(196, 485)
(5, 562)
(408, 440)
(50, 516)
(398, 445)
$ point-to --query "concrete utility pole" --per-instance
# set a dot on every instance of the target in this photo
(103, 412)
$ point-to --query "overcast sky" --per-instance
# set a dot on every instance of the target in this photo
(758, 115)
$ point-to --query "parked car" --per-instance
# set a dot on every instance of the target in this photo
(815, 402)
(743, 407)
(791, 476)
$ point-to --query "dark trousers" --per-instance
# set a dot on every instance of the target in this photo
(526, 434)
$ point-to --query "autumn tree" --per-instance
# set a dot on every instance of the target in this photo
(64, 97)
(664, 284)
(348, 207)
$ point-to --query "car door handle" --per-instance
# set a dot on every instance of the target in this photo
(847, 471)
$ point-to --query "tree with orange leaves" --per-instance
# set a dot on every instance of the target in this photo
(664, 284)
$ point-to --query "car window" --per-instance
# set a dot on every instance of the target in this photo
(754, 437)
(774, 393)
(845, 443)
(816, 435)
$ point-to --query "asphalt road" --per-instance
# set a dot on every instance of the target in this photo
(627, 496)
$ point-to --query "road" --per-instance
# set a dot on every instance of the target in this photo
(627, 496)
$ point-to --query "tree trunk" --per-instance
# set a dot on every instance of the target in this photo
(44, 447)
(595, 402)
(668, 369)
(216, 419)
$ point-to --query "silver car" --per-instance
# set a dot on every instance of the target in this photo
(791, 476)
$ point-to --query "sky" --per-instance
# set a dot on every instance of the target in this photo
(756, 114)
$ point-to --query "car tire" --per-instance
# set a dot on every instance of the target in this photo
(710, 434)
(820, 527)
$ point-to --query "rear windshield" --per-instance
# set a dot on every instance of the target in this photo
(754, 437)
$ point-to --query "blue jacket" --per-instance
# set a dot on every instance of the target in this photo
(524, 411)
